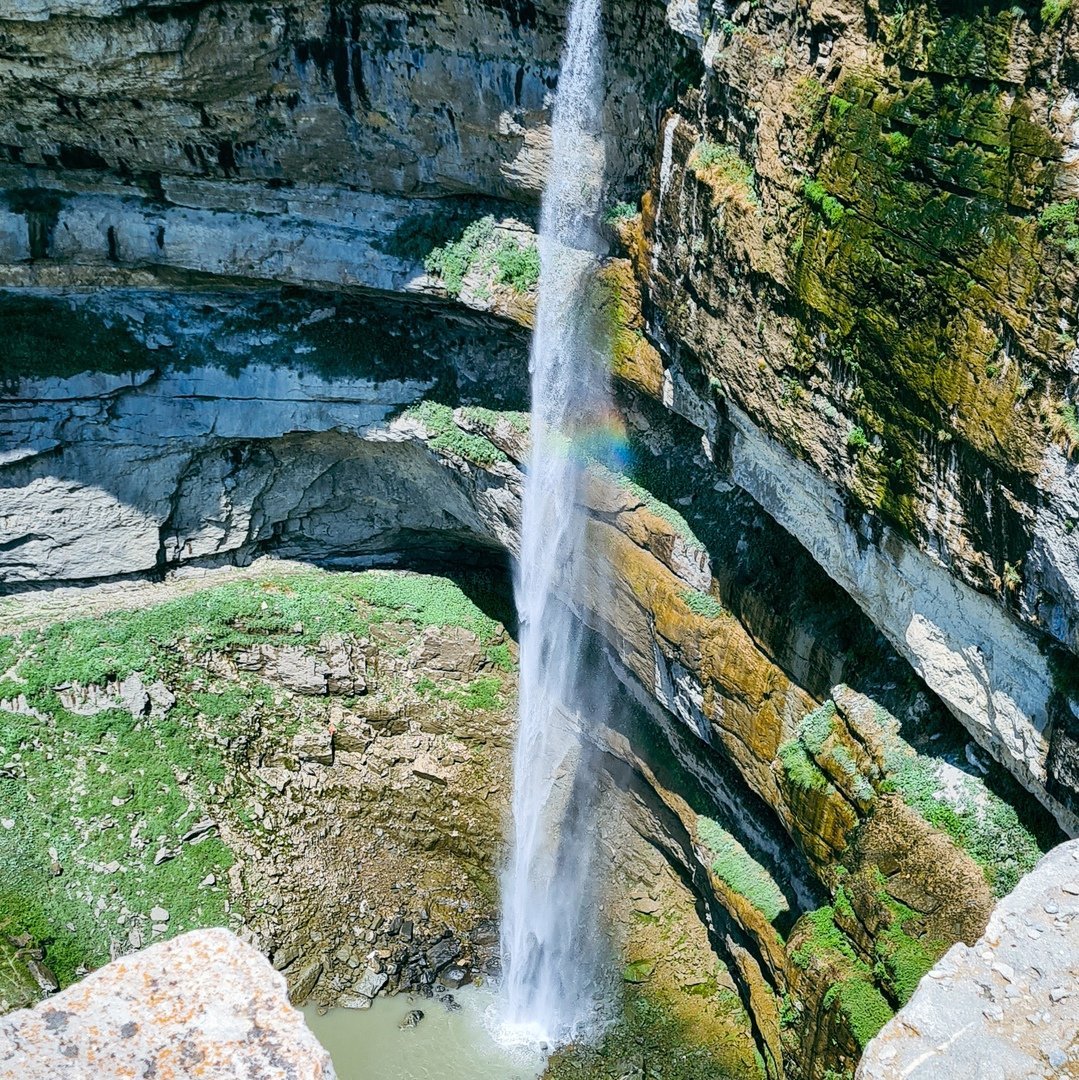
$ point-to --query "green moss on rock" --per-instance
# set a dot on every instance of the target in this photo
(864, 1007)
(444, 434)
(980, 822)
(733, 865)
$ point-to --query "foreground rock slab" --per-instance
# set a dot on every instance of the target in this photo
(1007, 1008)
(203, 1004)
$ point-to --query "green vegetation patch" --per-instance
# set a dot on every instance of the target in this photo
(817, 194)
(732, 864)
(619, 211)
(801, 770)
(853, 991)
(725, 169)
(823, 938)
(804, 757)
(902, 960)
(444, 434)
(519, 422)
(518, 266)
(103, 793)
(1064, 427)
(18, 988)
(482, 694)
(638, 972)
(982, 824)
(1059, 223)
(863, 1005)
(296, 609)
(650, 502)
(816, 727)
(703, 604)
(857, 438)
(1052, 11)
(479, 246)
(646, 1033)
(453, 260)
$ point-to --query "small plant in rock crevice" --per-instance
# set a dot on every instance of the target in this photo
(1063, 424)
(703, 604)
(857, 438)
(818, 196)
(1059, 224)
(620, 211)
(724, 169)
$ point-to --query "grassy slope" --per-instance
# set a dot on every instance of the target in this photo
(107, 792)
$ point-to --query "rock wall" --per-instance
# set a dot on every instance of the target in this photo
(853, 249)
(189, 451)
(417, 99)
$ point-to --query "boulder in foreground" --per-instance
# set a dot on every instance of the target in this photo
(203, 1004)
(1008, 1008)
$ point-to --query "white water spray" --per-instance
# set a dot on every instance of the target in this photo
(550, 935)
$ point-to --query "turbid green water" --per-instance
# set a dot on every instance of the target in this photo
(369, 1044)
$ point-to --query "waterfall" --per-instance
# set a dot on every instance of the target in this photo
(550, 935)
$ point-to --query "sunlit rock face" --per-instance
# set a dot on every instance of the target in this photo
(971, 1017)
(892, 333)
(203, 1003)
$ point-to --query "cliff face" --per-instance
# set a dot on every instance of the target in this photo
(859, 250)
(844, 326)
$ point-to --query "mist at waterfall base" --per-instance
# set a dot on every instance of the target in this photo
(552, 943)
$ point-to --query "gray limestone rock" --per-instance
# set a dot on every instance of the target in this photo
(314, 746)
(212, 995)
(1003, 1008)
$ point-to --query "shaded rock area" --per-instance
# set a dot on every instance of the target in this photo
(202, 1004)
(1006, 1006)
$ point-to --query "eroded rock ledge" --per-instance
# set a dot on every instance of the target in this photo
(202, 1004)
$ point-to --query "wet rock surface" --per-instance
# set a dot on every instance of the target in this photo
(1007, 1006)
(202, 1004)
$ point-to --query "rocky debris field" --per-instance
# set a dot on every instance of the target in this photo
(316, 761)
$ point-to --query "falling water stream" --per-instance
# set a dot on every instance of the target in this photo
(550, 936)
